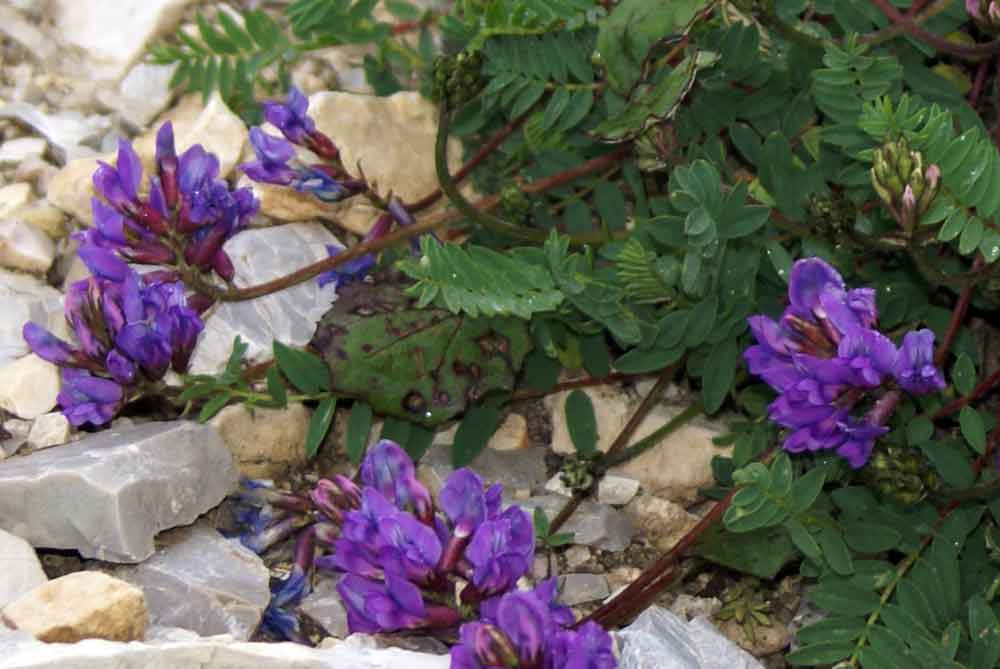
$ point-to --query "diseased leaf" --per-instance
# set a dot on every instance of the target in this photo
(423, 365)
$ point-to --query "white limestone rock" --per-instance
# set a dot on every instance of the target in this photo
(18, 150)
(26, 298)
(25, 247)
(50, 429)
(114, 35)
(108, 494)
(67, 131)
(290, 316)
(29, 387)
(20, 570)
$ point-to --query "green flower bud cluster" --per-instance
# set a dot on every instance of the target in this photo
(515, 205)
(575, 473)
(457, 79)
(903, 183)
(832, 213)
(745, 603)
(902, 475)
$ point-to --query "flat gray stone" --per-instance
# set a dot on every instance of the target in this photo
(107, 495)
(211, 653)
(323, 607)
(582, 588)
(200, 581)
(516, 470)
(592, 524)
(20, 570)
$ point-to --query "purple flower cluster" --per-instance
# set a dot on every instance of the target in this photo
(276, 162)
(129, 332)
(403, 558)
(185, 219)
(826, 358)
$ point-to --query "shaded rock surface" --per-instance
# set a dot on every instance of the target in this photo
(577, 589)
(290, 316)
(83, 605)
(200, 581)
(592, 524)
(107, 495)
(516, 470)
(323, 607)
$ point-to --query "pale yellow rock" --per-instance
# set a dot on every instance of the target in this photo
(512, 434)
(674, 469)
(24, 247)
(71, 188)
(267, 443)
(391, 138)
(43, 216)
(81, 605)
(28, 386)
(13, 197)
(661, 522)
(766, 639)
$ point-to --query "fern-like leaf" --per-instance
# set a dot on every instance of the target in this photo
(478, 281)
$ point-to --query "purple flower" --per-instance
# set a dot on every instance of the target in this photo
(46, 345)
(291, 118)
(501, 552)
(273, 155)
(408, 548)
(589, 647)
(103, 263)
(824, 356)
(914, 370)
(381, 607)
(463, 501)
(519, 637)
(85, 398)
(388, 469)
(278, 620)
(119, 185)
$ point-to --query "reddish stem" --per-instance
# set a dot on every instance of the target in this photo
(908, 25)
(957, 316)
(484, 151)
(953, 407)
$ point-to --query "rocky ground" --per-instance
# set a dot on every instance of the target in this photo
(113, 536)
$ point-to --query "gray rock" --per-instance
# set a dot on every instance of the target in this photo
(323, 607)
(142, 94)
(592, 524)
(582, 588)
(210, 653)
(660, 640)
(66, 131)
(290, 316)
(200, 581)
(20, 570)
(109, 494)
(516, 470)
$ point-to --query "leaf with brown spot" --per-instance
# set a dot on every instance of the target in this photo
(424, 365)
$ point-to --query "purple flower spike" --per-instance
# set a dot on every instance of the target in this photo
(915, 371)
(809, 279)
(500, 552)
(166, 163)
(408, 548)
(291, 118)
(388, 469)
(103, 263)
(85, 398)
(46, 345)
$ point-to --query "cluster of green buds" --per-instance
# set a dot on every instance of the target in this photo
(576, 473)
(906, 187)
(457, 79)
(901, 474)
(745, 603)
(515, 204)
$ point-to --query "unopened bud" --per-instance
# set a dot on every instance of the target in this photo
(493, 648)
